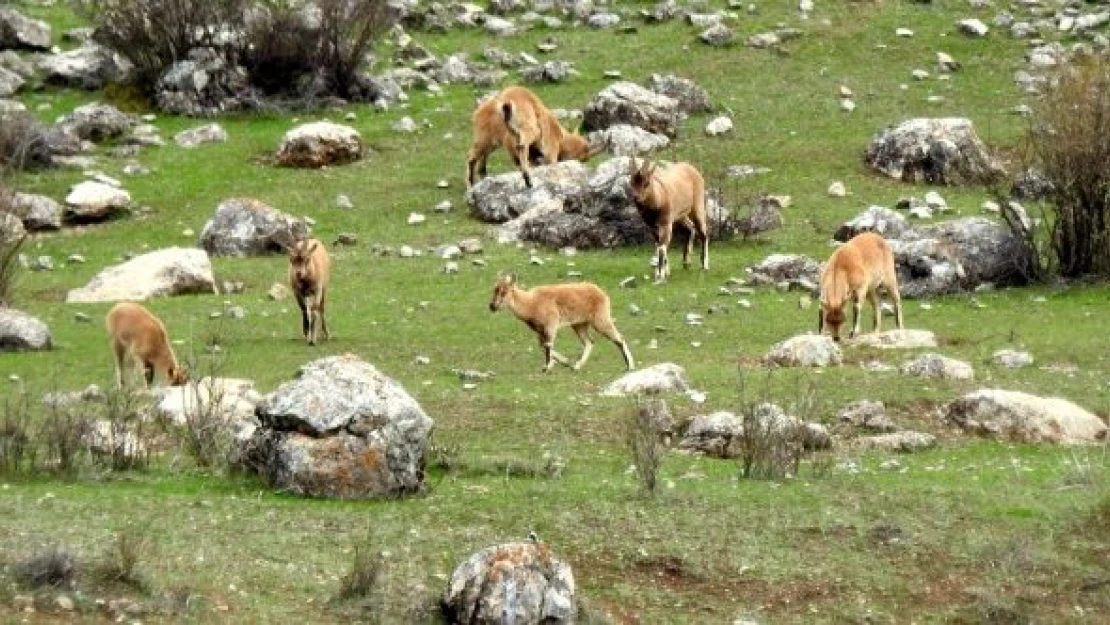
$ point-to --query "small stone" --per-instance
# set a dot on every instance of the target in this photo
(837, 189)
(535, 260)
(346, 238)
(934, 201)
(416, 218)
(442, 184)
(344, 202)
(919, 74)
(81, 317)
(421, 360)
(75, 259)
(278, 292)
(805, 302)
(973, 27)
(844, 91)
(188, 233)
(612, 74)
(903, 32)
(718, 126)
(635, 310)
(628, 283)
(406, 251)
(847, 105)
(237, 312)
(405, 124)
(451, 267)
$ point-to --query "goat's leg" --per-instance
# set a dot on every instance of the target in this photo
(304, 314)
(702, 229)
(689, 247)
(323, 316)
(547, 341)
(897, 299)
(524, 164)
(148, 373)
(857, 305)
(311, 313)
(476, 163)
(877, 308)
(583, 332)
(608, 330)
(120, 354)
(663, 240)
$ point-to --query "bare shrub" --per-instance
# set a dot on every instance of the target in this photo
(121, 561)
(644, 428)
(348, 30)
(53, 566)
(153, 34)
(205, 434)
(364, 580)
(24, 142)
(773, 443)
(17, 447)
(63, 434)
(1069, 139)
(124, 446)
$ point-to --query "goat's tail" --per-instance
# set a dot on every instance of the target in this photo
(512, 120)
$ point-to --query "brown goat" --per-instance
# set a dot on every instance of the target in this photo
(545, 309)
(309, 274)
(138, 337)
(860, 268)
(517, 120)
(663, 198)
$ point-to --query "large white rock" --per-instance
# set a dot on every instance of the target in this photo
(319, 144)
(897, 339)
(1023, 417)
(805, 350)
(20, 331)
(937, 366)
(92, 201)
(665, 377)
(170, 271)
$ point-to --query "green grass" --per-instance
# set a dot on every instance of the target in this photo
(983, 526)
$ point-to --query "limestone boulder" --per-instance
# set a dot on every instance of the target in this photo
(690, 96)
(512, 584)
(897, 339)
(340, 429)
(906, 441)
(319, 144)
(1026, 418)
(38, 212)
(939, 367)
(935, 151)
(97, 122)
(162, 273)
(878, 219)
(93, 201)
(22, 332)
(21, 32)
(628, 103)
(248, 227)
(91, 66)
(664, 377)
(805, 350)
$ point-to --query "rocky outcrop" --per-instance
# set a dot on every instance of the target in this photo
(804, 350)
(319, 144)
(248, 227)
(664, 377)
(933, 150)
(629, 103)
(1025, 418)
(20, 331)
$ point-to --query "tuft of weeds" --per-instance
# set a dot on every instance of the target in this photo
(644, 429)
(205, 435)
(363, 582)
(773, 442)
(17, 447)
(64, 433)
(124, 443)
(53, 566)
(121, 560)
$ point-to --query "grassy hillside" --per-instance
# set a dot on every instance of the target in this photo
(973, 531)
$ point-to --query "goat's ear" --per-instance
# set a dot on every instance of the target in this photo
(312, 248)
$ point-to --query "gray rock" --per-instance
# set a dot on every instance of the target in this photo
(878, 219)
(804, 350)
(765, 215)
(38, 212)
(497, 199)
(19, 31)
(199, 135)
(936, 150)
(514, 583)
(1031, 185)
(897, 339)
(973, 27)
(549, 71)
(937, 366)
(340, 429)
(723, 434)
(221, 402)
(13, 62)
(960, 254)
(115, 439)
(91, 201)
(204, 84)
(718, 126)
(89, 67)
(625, 140)
(794, 269)
(319, 144)
(661, 378)
(717, 35)
(629, 103)
(11, 227)
(162, 273)
(1012, 359)
(906, 442)
(10, 82)
(867, 415)
(97, 122)
(690, 97)
(601, 21)
(20, 331)
(1026, 418)
(248, 227)
(500, 27)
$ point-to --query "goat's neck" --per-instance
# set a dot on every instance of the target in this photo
(520, 301)
(166, 360)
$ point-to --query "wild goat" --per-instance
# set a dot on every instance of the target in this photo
(309, 274)
(519, 121)
(858, 269)
(138, 337)
(547, 308)
(675, 195)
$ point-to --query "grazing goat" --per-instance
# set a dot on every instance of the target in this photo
(857, 269)
(309, 274)
(675, 195)
(519, 121)
(547, 308)
(138, 337)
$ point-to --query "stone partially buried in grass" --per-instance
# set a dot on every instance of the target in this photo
(937, 366)
(319, 144)
(165, 272)
(91, 202)
(897, 339)
(521, 583)
(1025, 418)
(341, 429)
(20, 331)
(665, 377)
(804, 350)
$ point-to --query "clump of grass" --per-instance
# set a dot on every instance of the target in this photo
(205, 436)
(644, 429)
(121, 561)
(17, 447)
(53, 566)
(24, 143)
(773, 443)
(64, 435)
(125, 412)
(364, 580)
